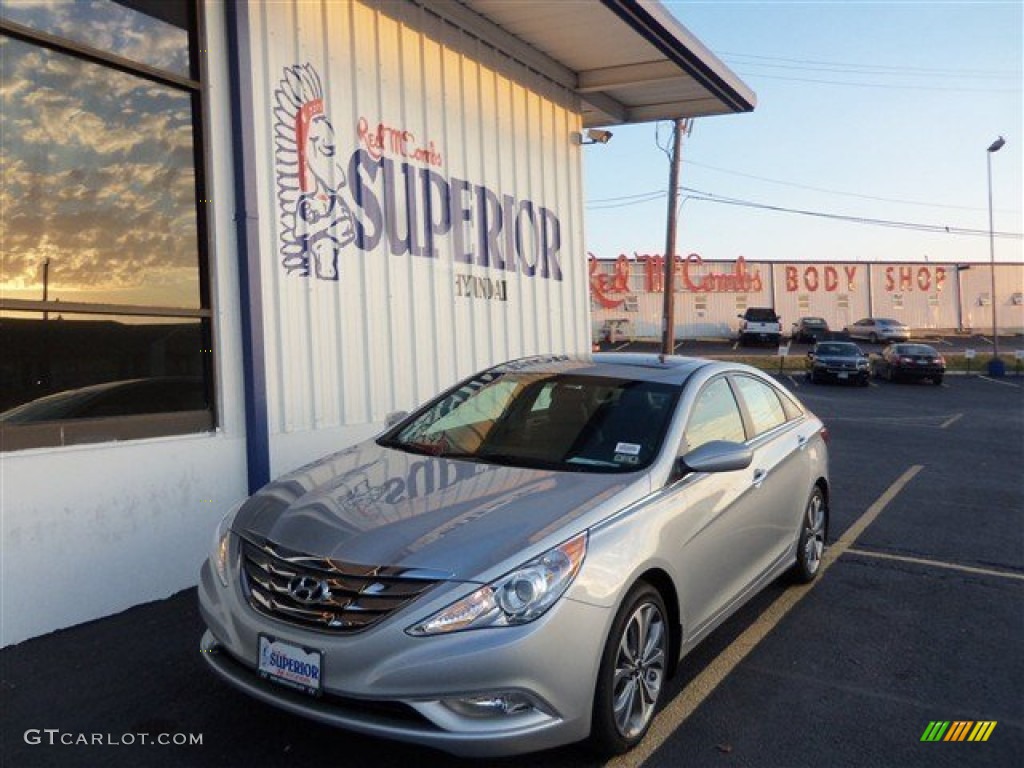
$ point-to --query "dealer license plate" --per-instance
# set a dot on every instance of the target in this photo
(290, 665)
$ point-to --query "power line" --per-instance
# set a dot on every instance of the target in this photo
(884, 86)
(696, 194)
(858, 68)
(835, 191)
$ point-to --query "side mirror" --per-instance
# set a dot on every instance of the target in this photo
(394, 417)
(810, 354)
(716, 456)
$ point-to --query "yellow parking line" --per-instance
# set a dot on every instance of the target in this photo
(703, 685)
(937, 564)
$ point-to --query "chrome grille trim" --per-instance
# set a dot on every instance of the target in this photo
(356, 596)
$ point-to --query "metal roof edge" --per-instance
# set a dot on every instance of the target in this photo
(655, 24)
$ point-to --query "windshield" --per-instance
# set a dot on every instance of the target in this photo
(544, 420)
(837, 349)
(915, 349)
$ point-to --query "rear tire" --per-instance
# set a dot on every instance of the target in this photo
(938, 381)
(813, 533)
(634, 667)
(873, 338)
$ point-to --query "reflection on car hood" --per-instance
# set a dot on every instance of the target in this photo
(379, 506)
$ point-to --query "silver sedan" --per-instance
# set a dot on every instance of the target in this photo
(525, 560)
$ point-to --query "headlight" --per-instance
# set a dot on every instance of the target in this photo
(518, 597)
(222, 545)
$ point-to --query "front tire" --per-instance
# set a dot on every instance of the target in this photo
(813, 532)
(873, 338)
(634, 667)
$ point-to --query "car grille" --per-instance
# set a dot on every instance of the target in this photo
(326, 594)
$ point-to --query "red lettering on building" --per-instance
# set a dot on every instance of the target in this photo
(737, 281)
(602, 285)
(811, 279)
(851, 275)
(386, 139)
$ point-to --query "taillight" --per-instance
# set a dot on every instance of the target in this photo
(824, 434)
(941, 360)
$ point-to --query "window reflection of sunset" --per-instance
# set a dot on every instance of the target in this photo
(98, 178)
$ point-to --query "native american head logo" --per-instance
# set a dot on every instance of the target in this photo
(316, 222)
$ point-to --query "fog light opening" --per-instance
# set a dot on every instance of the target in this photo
(495, 705)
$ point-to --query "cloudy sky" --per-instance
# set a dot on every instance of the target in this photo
(872, 110)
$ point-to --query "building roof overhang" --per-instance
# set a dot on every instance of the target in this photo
(629, 61)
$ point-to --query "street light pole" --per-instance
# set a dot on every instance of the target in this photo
(993, 148)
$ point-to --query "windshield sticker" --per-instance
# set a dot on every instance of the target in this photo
(631, 449)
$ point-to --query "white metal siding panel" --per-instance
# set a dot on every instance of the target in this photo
(820, 289)
(393, 329)
(919, 295)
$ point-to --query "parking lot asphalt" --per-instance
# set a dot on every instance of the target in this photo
(918, 618)
(945, 343)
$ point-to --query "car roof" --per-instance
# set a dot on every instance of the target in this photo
(668, 369)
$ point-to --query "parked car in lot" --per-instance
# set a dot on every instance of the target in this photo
(909, 362)
(837, 361)
(523, 561)
(878, 329)
(809, 329)
(760, 324)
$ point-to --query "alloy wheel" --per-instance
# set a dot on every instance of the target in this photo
(639, 670)
(814, 534)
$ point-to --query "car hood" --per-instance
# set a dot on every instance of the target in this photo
(372, 505)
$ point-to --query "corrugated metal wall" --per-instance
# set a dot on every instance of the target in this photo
(421, 212)
(709, 295)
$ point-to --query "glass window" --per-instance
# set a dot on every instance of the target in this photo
(99, 191)
(545, 420)
(715, 416)
(763, 404)
(157, 37)
(104, 305)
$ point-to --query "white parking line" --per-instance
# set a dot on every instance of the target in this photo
(703, 685)
(997, 381)
(937, 564)
(951, 421)
(793, 381)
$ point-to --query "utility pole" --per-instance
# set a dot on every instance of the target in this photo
(668, 320)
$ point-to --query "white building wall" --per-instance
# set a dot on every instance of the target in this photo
(976, 290)
(91, 530)
(839, 293)
(710, 295)
(381, 326)
(922, 296)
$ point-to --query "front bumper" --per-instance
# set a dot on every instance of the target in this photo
(383, 682)
(839, 373)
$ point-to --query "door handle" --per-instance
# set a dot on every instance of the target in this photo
(759, 476)
(801, 441)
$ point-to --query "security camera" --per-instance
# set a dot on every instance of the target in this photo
(597, 136)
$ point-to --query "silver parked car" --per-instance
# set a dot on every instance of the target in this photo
(876, 329)
(522, 562)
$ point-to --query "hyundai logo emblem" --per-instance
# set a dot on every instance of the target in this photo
(308, 589)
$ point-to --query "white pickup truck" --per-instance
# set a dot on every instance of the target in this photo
(760, 324)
